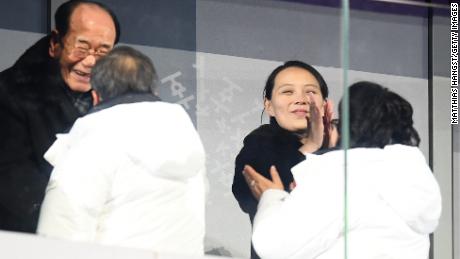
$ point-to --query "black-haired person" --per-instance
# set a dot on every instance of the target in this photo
(130, 173)
(394, 201)
(42, 94)
(288, 94)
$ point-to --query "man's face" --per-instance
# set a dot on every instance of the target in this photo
(91, 30)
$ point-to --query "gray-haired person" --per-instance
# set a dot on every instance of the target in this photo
(42, 94)
(132, 172)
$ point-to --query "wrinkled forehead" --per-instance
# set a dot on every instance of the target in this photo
(91, 21)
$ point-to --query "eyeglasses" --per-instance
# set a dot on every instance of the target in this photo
(81, 52)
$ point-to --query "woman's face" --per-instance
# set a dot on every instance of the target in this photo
(290, 101)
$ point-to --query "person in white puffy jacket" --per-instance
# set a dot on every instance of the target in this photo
(393, 199)
(132, 172)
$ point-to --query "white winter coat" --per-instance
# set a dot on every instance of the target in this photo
(131, 175)
(393, 204)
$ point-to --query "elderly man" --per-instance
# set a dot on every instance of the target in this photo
(131, 172)
(42, 94)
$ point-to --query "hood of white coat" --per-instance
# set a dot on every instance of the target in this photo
(408, 185)
(156, 137)
(400, 176)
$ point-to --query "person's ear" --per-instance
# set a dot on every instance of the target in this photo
(269, 107)
(55, 47)
(96, 98)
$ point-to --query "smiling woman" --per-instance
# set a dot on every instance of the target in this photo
(295, 98)
(392, 195)
(289, 103)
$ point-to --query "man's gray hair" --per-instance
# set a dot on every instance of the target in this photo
(123, 70)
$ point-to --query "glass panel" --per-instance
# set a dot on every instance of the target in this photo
(345, 118)
(214, 57)
(239, 43)
(402, 45)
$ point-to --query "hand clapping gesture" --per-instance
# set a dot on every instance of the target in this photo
(316, 129)
(258, 184)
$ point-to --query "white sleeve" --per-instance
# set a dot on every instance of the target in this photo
(196, 194)
(307, 221)
(76, 193)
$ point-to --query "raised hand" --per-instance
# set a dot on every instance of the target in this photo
(315, 133)
(330, 130)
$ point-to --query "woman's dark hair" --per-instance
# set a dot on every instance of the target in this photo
(268, 89)
(64, 12)
(294, 63)
(379, 117)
